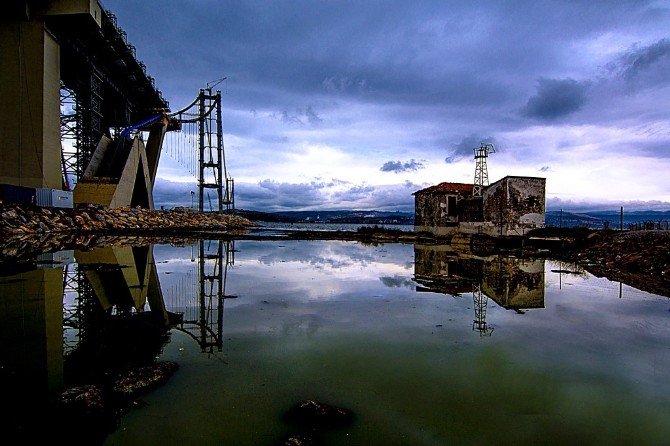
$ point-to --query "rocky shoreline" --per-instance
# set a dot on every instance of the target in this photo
(32, 220)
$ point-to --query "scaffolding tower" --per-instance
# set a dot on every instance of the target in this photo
(213, 174)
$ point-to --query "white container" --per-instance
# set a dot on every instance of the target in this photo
(55, 259)
(54, 198)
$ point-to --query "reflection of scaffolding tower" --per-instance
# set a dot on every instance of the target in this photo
(480, 301)
(82, 312)
(206, 325)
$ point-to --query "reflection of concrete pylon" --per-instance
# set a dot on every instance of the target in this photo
(480, 302)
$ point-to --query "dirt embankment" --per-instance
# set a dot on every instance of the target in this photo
(640, 259)
(29, 229)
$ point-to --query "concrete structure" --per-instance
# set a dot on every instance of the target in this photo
(54, 45)
(510, 206)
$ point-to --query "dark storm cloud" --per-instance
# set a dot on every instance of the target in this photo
(355, 193)
(399, 166)
(431, 53)
(644, 66)
(299, 116)
(464, 149)
(556, 98)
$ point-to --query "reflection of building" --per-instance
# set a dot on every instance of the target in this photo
(509, 206)
(512, 283)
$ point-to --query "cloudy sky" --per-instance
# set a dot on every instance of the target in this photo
(355, 105)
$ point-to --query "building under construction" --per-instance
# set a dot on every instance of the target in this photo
(510, 206)
(81, 120)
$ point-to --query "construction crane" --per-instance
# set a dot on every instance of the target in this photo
(481, 170)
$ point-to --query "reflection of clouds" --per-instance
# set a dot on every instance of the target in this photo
(398, 282)
(307, 325)
(304, 289)
(324, 253)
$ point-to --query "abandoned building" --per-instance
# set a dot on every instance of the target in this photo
(510, 206)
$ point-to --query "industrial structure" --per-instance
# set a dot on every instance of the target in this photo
(80, 113)
(510, 206)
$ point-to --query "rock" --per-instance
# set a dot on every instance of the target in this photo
(299, 440)
(83, 402)
(130, 383)
(312, 413)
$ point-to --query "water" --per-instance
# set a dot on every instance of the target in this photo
(282, 227)
(426, 345)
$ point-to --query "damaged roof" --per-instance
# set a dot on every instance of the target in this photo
(446, 187)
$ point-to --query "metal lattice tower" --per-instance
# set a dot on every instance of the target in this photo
(480, 301)
(212, 161)
(197, 144)
(481, 170)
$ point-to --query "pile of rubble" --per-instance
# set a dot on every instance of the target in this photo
(639, 258)
(21, 220)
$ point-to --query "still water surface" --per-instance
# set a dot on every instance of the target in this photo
(426, 345)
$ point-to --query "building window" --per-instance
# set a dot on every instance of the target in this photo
(451, 206)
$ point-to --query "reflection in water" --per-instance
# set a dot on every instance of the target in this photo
(74, 323)
(512, 283)
(342, 322)
(198, 296)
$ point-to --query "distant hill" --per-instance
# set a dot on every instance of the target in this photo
(356, 217)
(601, 219)
(593, 219)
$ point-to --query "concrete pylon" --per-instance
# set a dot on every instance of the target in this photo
(30, 151)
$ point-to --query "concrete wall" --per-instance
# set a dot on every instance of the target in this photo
(435, 209)
(30, 151)
(515, 204)
(135, 180)
(68, 7)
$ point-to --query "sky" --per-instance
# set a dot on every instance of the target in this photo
(358, 104)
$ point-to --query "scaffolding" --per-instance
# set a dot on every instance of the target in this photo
(204, 117)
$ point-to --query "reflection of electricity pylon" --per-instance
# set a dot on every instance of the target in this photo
(480, 302)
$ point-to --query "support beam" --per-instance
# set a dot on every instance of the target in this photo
(30, 151)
